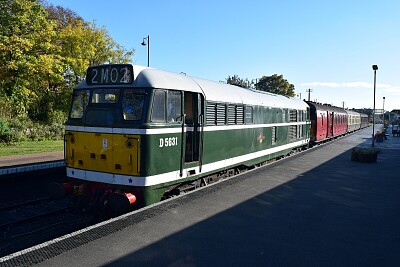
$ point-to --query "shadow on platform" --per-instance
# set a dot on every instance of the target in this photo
(341, 213)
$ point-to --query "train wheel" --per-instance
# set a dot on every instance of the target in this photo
(115, 204)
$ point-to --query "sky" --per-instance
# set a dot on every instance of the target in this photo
(328, 46)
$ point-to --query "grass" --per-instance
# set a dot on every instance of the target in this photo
(31, 147)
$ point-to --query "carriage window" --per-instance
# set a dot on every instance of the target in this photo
(174, 106)
(105, 96)
(80, 101)
(132, 105)
(322, 119)
(158, 109)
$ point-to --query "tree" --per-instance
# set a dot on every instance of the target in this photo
(44, 53)
(235, 80)
(84, 44)
(63, 16)
(26, 53)
(81, 44)
(276, 84)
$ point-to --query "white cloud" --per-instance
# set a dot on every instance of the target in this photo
(357, 84)
(393, 89)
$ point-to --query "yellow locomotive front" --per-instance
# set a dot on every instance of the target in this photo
(103, 152)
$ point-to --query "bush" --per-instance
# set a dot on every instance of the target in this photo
(4, 129)
(17, 130)
(57, 117)
(7, 134)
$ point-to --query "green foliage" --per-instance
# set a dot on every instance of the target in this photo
(5, 108)
(7, 134)
(235, 80)
(57, 116)
(276, 84)
(366, 151)
(23, 129)
(40, 132)
(4, 130)
(26, 50)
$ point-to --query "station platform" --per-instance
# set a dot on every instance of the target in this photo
(16, 160)
(318, 208)
(30, 162)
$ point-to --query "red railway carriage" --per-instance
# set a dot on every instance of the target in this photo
(326, 121)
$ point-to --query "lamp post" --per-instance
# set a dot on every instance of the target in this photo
(383, 111)
(375, 68)
(148, 48)
(309, 91)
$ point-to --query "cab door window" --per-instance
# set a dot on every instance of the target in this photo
(167, 106)
(174, 106)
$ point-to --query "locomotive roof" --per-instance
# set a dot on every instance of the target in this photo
(145, 77)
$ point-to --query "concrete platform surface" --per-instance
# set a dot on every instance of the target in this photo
(15, 160)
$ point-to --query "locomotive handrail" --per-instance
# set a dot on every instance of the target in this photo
(65, 150)
(182, 145)
(201, 141)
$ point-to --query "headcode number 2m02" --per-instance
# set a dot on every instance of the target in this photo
(168, 141)
(110, 76)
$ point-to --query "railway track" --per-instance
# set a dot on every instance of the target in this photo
(28, 223)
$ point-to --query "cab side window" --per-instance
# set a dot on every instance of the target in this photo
(158, 108)
(132, 105)
(80, 101)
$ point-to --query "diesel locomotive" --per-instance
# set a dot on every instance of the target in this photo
(136, 135)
